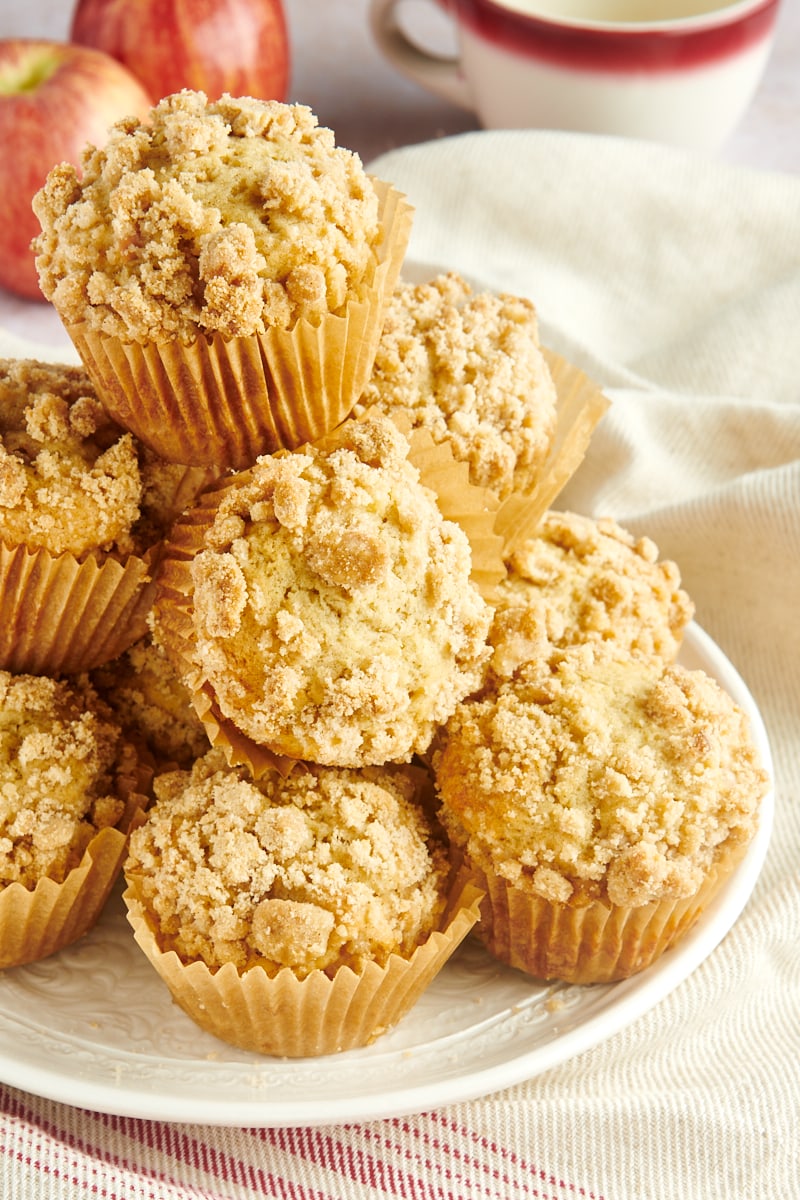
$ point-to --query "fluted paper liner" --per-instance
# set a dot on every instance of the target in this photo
(37, 923)
(580, 406)
(60, 614)
(592, 942)
(297, 1018)
(222, 402)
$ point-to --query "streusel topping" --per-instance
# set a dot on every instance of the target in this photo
(69, 478)
(211, 217)
(469, 368)
(334, 613)
(579, 580)
(58, 753)
(323, 869)
(601, 774)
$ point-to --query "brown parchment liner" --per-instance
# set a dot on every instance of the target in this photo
(318, 1015)
(222, 402)
(580, 406)
(592, 941)
(473, 508)
(61, 614)
(36, 923)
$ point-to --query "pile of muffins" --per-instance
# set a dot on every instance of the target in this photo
(294, 635)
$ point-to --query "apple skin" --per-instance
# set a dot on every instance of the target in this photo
(54, 99)
(213, 46)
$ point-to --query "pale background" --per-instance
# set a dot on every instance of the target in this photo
(339, 72)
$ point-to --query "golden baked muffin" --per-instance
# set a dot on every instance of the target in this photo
(601, 798)
(324, 877)
(82, 507)
(325, 604)
(469, 368)
(187, 249)
(68, 792)
(582, 579)
(150, 701)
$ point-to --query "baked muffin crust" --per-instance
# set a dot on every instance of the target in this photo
(70, 479)
(601, 775)
(150, 701)
(323, 869)
(58, 754)
(468, 367)
(586, 580)
(212, 217)
(333, 610)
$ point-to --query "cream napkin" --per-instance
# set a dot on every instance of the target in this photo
(674, 282)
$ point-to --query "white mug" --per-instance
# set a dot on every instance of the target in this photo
(677, 71)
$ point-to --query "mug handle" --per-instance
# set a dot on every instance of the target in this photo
(442, 76)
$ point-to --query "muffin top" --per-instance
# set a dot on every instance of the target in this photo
(326, 868)
(333, 611)
(59, 754)
(150, 700)
(209, 217)
(70, 479)
(581, 579)
(601, 775)
(468, 367)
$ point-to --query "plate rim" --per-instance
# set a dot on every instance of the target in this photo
(635, 997)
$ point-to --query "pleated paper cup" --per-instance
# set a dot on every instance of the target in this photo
(580, 406)
(39, 922)
(297, 1018)
(223, 402)
(587, 942)
(59, 614)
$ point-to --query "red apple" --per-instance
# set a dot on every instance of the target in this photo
(54, 99)
(214, 46)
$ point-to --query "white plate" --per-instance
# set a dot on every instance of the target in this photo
(94, 1026)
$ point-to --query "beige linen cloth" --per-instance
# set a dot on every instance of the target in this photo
(674, 282)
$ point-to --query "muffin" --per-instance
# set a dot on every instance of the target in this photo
(151, 703)
(83, 508)
(323, 604)
(71, 787)
(292, 916)
(601, 798)
(222, 269)
(582, 579)
(468, 367)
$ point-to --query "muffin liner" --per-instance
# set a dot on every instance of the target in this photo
(295, 1018)
(580, 406)
(222, 402)
(38, 922)
(60, 614)
(592, 942)
(458, 500)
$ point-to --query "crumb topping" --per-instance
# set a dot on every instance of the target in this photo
(582, 580)
(601, 774)
(468, 367)
(149, 699)
(210, 217)
(326, 868)
(334, 613)
(58, 752)
(70, 479)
